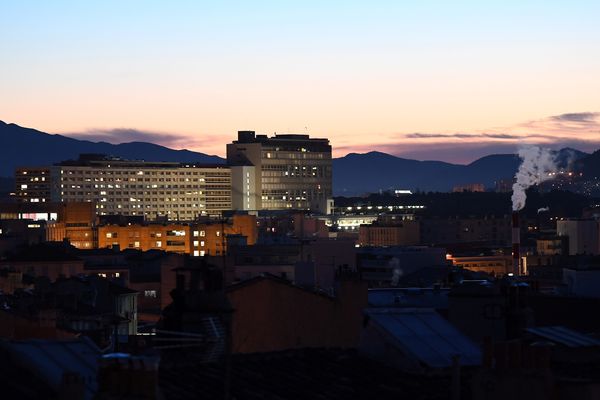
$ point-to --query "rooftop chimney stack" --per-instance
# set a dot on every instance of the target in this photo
(516, 240)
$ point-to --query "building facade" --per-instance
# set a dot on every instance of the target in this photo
(197, 239)
(404, 233)
(75, 221)
(32, 185)
(583, 235)
(154, 190)
(496, 265)
(289, 172)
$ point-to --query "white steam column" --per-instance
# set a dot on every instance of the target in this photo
(537, 166)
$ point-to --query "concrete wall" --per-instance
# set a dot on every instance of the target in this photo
(271, 315)
(583, 234)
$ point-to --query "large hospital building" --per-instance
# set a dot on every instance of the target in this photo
(174, 191)
(283, 172)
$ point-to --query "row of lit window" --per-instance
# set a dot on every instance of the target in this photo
(137, 172)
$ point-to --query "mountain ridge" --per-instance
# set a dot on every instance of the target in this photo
(353, 174)
(376, 173)
(21, 146)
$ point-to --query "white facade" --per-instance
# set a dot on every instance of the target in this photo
(172, 190)
(291, 171)
(244, 195)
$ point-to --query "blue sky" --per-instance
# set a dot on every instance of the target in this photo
(368, 75)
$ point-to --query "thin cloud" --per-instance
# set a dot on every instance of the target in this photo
(124, 135)
(583, 124)
(501, 136)
(576, 130)
(127, 135)
(458, 152)
(577, 117)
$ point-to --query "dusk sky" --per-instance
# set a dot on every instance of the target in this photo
(448, 80)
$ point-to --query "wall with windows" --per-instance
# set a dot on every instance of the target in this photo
(179, 192)
(197, 239)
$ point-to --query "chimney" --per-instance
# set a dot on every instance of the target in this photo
(516, 240)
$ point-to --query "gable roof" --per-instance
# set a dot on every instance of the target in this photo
(48, 360)
(564, 336)
(425, 336)
(273, 278)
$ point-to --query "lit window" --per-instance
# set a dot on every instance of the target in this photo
(196, 233)
(150, 293)
(202, 233)
(196, 253)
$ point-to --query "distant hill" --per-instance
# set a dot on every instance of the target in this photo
(355, 174)
(29, 147)
(590, 166)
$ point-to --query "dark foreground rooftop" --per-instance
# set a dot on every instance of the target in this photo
(300, 374)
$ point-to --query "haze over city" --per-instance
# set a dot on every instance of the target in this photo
(438, 80)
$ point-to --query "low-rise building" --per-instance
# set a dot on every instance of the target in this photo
(552, 245)
(49, 260)
(197, 239)
(74, 222)
(469, 187)
(583, 234)
(495, 265)
(401, 233)
(386, 266)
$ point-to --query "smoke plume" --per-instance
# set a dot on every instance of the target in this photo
(536, 165)
(394, 263)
